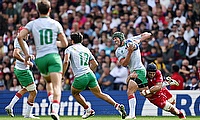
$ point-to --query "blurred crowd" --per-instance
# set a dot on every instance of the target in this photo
(174, 46)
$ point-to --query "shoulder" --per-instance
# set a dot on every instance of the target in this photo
(158, 73)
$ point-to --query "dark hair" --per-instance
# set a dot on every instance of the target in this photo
(76, 37)
(175, 68)
(43, 6)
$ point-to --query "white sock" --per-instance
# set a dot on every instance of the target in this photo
(29, 108)
(132, 105)
(13, 101)
(55, 107)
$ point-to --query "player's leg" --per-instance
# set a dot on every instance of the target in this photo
(79, 84)
(95, 89)
(51, 65)
(162, 103)
(18, 95)
(132, 88)
(27, 80)
(134, 84)
(169, 96)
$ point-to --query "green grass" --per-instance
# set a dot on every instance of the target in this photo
(104, 118)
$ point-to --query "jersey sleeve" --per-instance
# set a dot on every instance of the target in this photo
(159, 77)
(91, 57)
(16, 44)
(29, 26)
(67, 51)
(119, 55)
(136, 38)
(60, 28)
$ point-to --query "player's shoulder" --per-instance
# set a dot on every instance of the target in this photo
(158, 72)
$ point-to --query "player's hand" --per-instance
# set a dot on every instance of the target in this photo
(145, 92)
(32, 57)
(27, 57)
(131, 48)
(30, 63)
(133, 75)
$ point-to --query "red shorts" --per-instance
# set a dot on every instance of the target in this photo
(159, 101)
(166, 92)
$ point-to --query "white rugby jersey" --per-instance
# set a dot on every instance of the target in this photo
(45, 32)
(20, 65)
(79, 59)
(135, 61)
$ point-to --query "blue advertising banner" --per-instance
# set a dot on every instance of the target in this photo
(187, 101)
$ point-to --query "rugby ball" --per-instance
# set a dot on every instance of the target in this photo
(128, 43)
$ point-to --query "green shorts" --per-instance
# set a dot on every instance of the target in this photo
(86, 80)
(25, 77)
(49, 63)
(141, 79)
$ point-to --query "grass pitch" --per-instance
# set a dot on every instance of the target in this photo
(110, 117)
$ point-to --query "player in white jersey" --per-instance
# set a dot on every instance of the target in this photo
(25, 78)
(83, 64)
(130, 56)
(46, 31)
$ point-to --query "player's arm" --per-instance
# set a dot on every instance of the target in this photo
(141, 37)
(62, 43)
(20, 37)
(17, 56)
(93, 64)
(65, 63)
(152, 90)
(125, 61)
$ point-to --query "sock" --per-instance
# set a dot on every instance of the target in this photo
(116, 106)
(55, 106)
(50, 97)
(29, 108)
(87, 108)
(15, 99)
(132, 105)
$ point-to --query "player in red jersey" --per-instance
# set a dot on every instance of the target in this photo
(157, 93)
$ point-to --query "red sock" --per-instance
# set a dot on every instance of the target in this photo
(56, 101)
(49, 94)
(29, 103)
(18, 95)
(130, 97)
(86, 107)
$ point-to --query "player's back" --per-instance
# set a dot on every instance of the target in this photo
(45, 32)
(79, 59)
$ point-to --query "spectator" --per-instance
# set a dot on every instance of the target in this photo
(106, 80)
(11, 12)
(188, 33)
(120, 74)
(193, 85)
(168, 54)
(161, 65)
(180, 50)
(15, 85)
(3, 48)
(83, 7)
(192, 51)
(176, 76)
(2, 81)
